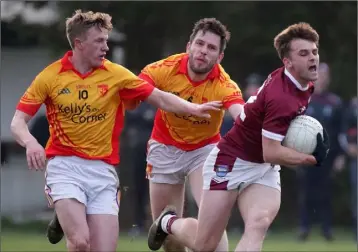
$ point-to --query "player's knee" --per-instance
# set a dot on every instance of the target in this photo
(207, 242)
(78, 243)
(190, 224)
(260, 221)
(208, 246)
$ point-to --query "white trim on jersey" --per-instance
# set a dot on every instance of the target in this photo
(297, 84)
(272, 135)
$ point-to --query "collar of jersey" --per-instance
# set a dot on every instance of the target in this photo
(183, 69)
(67, 66)
(294, 81)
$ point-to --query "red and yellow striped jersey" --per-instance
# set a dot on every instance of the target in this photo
(188, 132)
(85, 112)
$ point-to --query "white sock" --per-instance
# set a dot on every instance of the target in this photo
(165, 221)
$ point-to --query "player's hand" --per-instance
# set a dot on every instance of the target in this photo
(322, 148)
(35, 154)
(202, 110)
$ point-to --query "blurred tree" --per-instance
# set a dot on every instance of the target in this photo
(155, 29)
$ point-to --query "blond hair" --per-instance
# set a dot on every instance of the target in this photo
(296, 31)
(80, 22)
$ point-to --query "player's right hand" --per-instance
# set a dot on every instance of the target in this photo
(322, 148)
(35, 154)
(202, 110)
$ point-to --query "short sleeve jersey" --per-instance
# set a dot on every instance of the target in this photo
(189, 132)
(269, 113)
(85, 112)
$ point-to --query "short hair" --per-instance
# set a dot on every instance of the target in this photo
(301, 30)
(80, 22)
(212, 25)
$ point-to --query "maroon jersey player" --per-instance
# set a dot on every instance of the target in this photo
(244, 167)
(279, 100)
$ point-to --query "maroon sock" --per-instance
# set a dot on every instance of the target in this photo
(170, 222)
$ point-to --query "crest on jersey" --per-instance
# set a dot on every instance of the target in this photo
(103, 89)
(221, 170)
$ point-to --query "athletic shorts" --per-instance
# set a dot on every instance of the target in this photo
(91, 182)
(237, 174)
(169, 165)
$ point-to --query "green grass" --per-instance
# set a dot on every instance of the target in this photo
(283, 241)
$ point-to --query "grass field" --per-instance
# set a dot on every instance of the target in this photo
(284, 241)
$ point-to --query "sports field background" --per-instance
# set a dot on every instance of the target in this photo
(34, 37)
(16, 240)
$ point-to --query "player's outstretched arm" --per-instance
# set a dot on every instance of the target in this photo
(34, 151)
(19, 128)
(275, 153)
(173, 103)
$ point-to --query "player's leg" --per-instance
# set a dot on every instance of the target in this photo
(161, 195)
(103, 232)
(64, 191)
(259, 203)
(103, 206)
(214, 212)
(102, 218)
(203, 234)
(72, 216)
(54, 230)
(196, 185)
(68, 201)
(166, 184)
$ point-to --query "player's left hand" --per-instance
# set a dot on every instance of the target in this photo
(202, 110)
(36, 157)
(322, 148)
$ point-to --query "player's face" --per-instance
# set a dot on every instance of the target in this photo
(94, 46)
(204, 52)
(303, 60)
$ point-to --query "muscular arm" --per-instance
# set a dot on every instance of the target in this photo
(275, 153)
(172, 103)
(20, 129)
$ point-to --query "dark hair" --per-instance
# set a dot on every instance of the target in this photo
(212, 25)
(296, 31)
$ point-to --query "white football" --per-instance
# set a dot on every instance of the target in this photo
(302, 134)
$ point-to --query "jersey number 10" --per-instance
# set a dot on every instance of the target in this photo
(82, 94)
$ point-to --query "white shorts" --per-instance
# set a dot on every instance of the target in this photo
(92, 182)
(169, 165)
(237, 174)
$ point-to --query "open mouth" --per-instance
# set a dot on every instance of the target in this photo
(312, 69)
